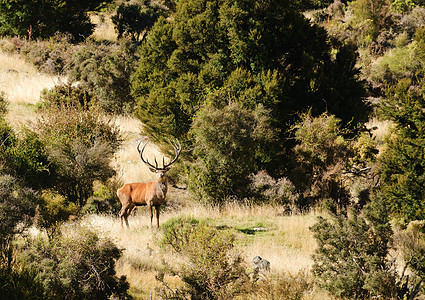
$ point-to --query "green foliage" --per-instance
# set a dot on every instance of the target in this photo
(351, 260)
(177, 232)
(23, 156)
(43, 18)
(401, 6)
(402, 164)
(132, 20)
(104, 199)
(322, 155)
(17, 207)
(209, 45)
(76, 265)
(403, 62)
(80, 142)
(228, 143)
(375, 11)
(19, 283)
(212, 269)
(65, 94)
(104, 72)
(53, 211)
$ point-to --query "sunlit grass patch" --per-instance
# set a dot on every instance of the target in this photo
(21, 81)
(104, 29)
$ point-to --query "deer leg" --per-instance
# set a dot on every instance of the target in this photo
(150, 213)
(157, 215)
(122, 212)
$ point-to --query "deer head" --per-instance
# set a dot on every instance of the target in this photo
(160, 171)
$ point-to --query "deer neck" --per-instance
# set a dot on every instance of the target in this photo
(161, 187)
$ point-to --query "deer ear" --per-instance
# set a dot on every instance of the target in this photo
(167, 169)
(152, 170)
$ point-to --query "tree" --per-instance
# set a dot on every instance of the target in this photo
(402, 165)
(103, 72)
(43, 18)
(132, 20)
(257, 52)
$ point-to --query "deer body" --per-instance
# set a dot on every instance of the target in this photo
(151, 194)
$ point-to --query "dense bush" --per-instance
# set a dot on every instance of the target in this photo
(52, 56)
(19, 283)
(212, 269)
(229, 141)
(274, 191)
(282, 286)
(17, 207)
(53, 210)
(402, 164)
(76, 264)
(104, 72)
(80, 142)
(254, 54)
(43, 18)
(351, 260)
(132, 20)
(322, 155)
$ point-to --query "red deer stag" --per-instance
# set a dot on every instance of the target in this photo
(151, 194)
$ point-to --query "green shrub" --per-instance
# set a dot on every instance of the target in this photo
(322, 154)
(351, 260)
(81, 143)
(212, 269)
(65, 94)
(104, 72)
(76, 264)
(229, 143)
(19, 283)
(104, 199)
(53, 211)
(177, 232)
(17, 207)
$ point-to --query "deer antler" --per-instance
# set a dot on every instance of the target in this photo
(177, 148)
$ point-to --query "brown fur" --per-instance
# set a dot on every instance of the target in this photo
(151, 194)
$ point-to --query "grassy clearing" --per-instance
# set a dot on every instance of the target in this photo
(285, 241)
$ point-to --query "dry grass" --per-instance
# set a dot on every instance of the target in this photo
(21, 81)
(22, 84)
(104, 29)
(286, 241)
(380, 129)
